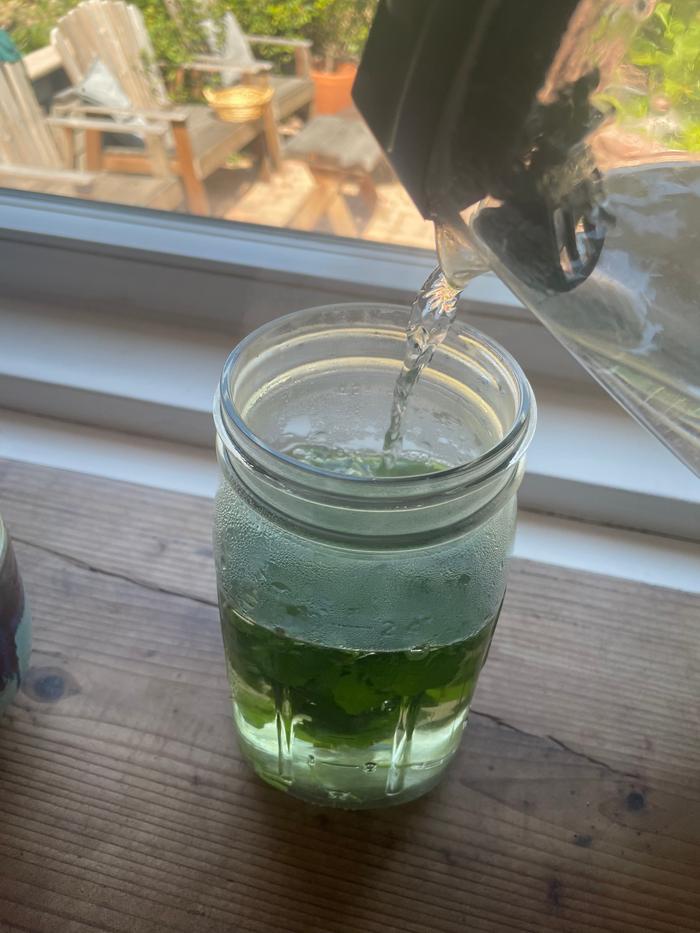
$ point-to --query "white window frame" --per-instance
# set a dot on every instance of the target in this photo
(175, 267)
(200, 283)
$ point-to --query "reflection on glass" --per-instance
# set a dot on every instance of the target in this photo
(559, 142)
(602, 244)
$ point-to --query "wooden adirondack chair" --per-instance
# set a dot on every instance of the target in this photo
(30, 157)
(197, 142)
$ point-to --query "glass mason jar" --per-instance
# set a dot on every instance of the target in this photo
(358, 597)
(15, 623)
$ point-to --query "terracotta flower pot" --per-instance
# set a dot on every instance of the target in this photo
(333, 88)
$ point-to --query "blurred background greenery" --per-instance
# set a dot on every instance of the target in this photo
(337, 28)
(667, 52)
(656, 90)
(659, 84)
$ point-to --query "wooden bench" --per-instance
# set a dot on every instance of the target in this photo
(337, 150)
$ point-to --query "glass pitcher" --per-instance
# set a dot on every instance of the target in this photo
(559, 141)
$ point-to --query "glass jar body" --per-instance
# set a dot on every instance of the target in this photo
(352, 663)
(359, 593)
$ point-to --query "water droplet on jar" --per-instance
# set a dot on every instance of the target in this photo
(296, 611)
(249, 600)
(420, 651)
(369, 766)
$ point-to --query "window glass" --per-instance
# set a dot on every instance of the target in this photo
(237, 109)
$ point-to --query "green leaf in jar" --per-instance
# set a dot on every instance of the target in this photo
(257, 710)
(355, 696)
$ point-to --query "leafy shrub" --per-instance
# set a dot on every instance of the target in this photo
(665, 85)
(175, 39)
(30, 23)
(338, 28)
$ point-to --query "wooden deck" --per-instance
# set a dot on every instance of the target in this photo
(574, 804)
(276, 203)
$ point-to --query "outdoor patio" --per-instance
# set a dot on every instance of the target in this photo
(237, 194)
(288, 150)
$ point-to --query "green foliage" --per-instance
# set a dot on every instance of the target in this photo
(337, 28)
(343, 697)
(340, 29)
(288, 18)
(175, 40)
(30, 24)
(667, 53)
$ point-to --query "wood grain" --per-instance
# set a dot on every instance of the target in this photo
(574, 804)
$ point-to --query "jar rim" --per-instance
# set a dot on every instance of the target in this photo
(505, 453)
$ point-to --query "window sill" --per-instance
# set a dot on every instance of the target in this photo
(128, 325)
(577, 545)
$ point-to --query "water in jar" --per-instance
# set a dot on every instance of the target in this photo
(352, 666)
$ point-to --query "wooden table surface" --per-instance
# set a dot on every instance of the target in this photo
(574, 804)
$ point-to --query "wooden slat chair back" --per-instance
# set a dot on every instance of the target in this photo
(30, 156)
(115, 32)
(25, 138)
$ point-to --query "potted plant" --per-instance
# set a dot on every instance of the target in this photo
(338, 33)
